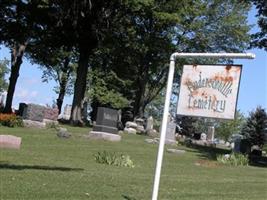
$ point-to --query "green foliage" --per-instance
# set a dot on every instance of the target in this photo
(255, 127)
(11, 120)
(234, 159)
(3, 72)
(104, 89)
(225, 129)
(187, 125)
(114, 159)
(259, 39)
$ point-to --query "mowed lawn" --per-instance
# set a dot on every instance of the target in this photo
(47, 167)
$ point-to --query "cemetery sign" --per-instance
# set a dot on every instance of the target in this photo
(209, 91)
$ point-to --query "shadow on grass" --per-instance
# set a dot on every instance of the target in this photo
(37, 167)
(258, 161)
(208, 152)
(126, 197)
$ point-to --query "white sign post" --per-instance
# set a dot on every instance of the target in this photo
(173, 57)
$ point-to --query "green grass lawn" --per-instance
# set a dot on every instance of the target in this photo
(47, 167)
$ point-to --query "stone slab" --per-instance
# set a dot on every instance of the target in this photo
(96, 135)
(176, 151)
(10, 142)
(33, 124)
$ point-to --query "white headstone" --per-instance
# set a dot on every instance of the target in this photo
(149, 123)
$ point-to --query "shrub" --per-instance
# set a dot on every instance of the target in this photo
(114, 159)
(255, 127)
(234, 159)
(11, 120)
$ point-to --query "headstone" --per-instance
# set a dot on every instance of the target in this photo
(22, 107)
(106, 120)
(10, 141)
(63, 133)
(103, 136)
(33, 124)
(149, 123)
(131, 125)
(67, 112)
(51, 113)
(140, 125)
(210, 134)
(170, 133)
(237, 145)
(3, 99)
(130, 130)
(203, 136)
(176, 151)
(34, 112)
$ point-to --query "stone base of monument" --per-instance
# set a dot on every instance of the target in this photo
(10, 141)
(101, 128)
(97, 135)
(170, 142)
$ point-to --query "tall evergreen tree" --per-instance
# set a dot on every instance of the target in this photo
(255, 129)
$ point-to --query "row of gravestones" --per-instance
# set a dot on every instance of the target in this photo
(107, 122)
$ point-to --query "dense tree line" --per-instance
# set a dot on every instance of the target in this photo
(116, 51)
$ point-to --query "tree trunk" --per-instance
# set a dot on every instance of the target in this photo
(61, 96)
(80, 86)
(63, 81)
(16, 61)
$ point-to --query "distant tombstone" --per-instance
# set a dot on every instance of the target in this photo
(149, 123)
(210, 135)
(3, 98)
(10, 142)
(22, 106)
(85, 111)
(34, 112)
(237, 143)
(203, 136)
(67, 112)
(170, 133)
(140, 125)
(106, 120)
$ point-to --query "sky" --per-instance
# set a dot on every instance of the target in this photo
(252, 91)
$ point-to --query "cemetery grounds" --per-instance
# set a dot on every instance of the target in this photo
(48, 167)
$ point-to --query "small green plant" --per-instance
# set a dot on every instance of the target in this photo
(114, 159)
(233, 159)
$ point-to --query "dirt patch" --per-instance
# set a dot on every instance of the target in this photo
(207, 163)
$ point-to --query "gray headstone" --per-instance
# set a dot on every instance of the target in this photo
(106, 120)
(103, 136)
(210, 134)
(170, 133)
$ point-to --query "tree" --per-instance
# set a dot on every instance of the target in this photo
(80, 25)
(57, 64)
(255, 127)
(3, 72)
(260, 38)
(144, 37)
(19, 23)
(225, 129)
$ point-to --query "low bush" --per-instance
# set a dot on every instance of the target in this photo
(11, 120)
(233, 159)
(114, 159)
